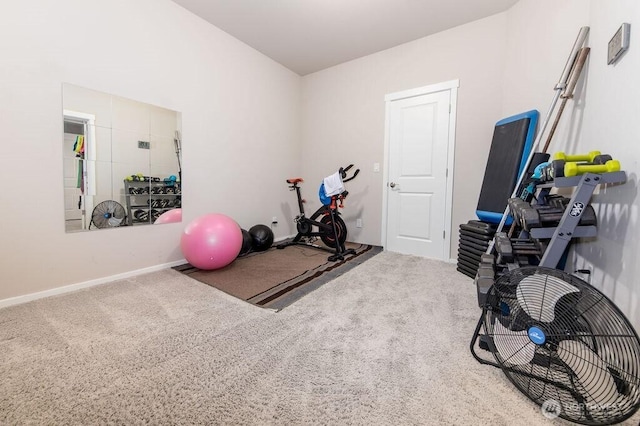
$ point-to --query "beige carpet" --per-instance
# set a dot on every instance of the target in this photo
(384, 344)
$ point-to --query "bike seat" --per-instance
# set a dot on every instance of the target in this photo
(295, 180)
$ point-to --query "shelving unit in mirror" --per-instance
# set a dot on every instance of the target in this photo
(148, 198)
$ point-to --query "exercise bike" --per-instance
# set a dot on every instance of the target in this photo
(325, 223)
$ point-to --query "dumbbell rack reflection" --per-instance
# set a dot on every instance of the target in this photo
(146, 200)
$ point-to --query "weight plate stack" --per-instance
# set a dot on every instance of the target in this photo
(475, 237)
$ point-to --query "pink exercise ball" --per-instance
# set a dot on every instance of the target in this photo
(211, 241)
(170, 216)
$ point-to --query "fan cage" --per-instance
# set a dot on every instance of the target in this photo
(582, 314)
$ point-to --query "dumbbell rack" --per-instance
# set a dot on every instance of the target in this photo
(547, 244)
(151, 198)
(569, 226)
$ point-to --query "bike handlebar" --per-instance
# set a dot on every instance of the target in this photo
(343, 173)
(293, 182)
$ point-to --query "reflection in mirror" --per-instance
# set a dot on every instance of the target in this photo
(122, 164)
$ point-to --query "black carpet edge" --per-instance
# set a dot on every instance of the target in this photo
(300, 291)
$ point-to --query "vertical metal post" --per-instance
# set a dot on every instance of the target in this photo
(567, 93)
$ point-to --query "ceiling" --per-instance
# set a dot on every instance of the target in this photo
(310, 35)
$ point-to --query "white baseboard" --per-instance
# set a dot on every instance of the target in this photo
(86, 284)
(281, 239)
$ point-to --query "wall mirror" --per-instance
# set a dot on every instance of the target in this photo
(122, 161)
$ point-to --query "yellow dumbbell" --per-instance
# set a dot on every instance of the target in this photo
(578, 157)
(574, 169)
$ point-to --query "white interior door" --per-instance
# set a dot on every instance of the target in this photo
(72, 210)
(71, 171)
(418, 200)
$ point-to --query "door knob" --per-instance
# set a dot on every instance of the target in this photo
(392, 185)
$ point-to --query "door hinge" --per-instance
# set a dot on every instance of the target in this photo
(444, 233)
(446, 172)
(449, 108)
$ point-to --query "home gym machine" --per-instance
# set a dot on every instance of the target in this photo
(325, 223)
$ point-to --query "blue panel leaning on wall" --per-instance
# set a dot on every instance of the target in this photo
(510, 147)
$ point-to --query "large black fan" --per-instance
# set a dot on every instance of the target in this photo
(564, 345)
(108, 214)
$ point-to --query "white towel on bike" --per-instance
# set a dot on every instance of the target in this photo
(333, 184)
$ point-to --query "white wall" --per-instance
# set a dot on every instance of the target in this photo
(344, 114)
(240, 114)
(602, 116)
(610, 123)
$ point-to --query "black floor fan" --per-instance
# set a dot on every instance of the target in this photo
(108, 214)
(563, 344)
